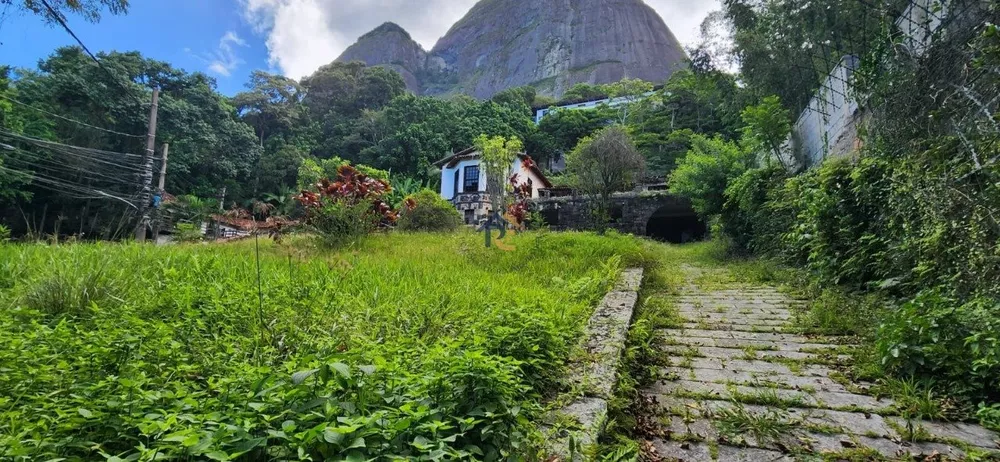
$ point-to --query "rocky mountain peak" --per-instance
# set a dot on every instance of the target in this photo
(550, 45)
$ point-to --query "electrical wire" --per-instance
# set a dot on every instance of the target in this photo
(59, 18)
(69, 119)
(49, 144)
(65, 188)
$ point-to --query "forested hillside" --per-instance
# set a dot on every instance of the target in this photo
(252, 145)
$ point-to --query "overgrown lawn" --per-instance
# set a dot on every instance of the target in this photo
(408, 346)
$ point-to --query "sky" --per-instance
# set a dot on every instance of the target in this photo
(227, 39)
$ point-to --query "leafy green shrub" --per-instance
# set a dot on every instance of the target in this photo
(188, 232)
(989, 416)
(935, 336)
(750, 216)
(340, 222)
(429, 212)
(4, 234)
(704, 173)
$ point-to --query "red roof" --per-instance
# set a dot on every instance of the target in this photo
(248, 224)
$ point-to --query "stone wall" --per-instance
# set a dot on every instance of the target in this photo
(630, 212)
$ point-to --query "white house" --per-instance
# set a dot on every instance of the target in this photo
(586, 105)
(463, 182)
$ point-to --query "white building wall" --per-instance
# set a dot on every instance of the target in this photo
(586, 105)
(448, 178)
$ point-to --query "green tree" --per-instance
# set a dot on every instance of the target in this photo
(497, 156)
(211, 147)
(519, 97)
(584, 92)
(272, 104)
(88, 9)
(634, 94)
(343, 90)
(560, 132)
(767, 126)
(706, 171)
(429, 212)
(787, 47)
(602, 165)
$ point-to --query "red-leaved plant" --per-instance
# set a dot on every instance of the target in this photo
(353, 188)
(349, 207)
(519, 209)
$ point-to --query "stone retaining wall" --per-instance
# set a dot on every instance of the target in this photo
(596, 376)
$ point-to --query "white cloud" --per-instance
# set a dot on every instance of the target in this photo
(224, 60)
(303, 35)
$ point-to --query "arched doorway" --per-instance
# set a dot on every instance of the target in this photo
(676, 226)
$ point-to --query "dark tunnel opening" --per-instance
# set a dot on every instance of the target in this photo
(676, 228)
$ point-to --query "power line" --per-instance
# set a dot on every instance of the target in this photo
(63, 187)
(69, 119)
(59, 18)
(49, 144)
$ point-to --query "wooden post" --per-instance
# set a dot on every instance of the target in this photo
(146, 178)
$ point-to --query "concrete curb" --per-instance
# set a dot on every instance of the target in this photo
(603, 343)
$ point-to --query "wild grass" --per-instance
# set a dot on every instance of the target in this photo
(407, 345)
(736, 423)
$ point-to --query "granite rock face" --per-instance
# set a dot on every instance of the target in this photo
(389, 45)
(551, 45)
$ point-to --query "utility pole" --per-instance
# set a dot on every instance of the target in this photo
(146, 178)
(161, 191)
(163, 168)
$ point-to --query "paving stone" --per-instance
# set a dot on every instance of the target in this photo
(974, 435)
(805, 398)
(753, 378)
(701, 429)
(630, 281)
(733, 308)
(854, 423)
(709, 315)
(733, 454)
(777, 329)
(737, 321)
(605, 336)
(742, 343)
(888, 448)
(686, 452)
(709, 357)
(752, 366)
(762, 336)
(732, 353)
(590, 414)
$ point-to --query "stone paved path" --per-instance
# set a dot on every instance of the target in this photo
(739, 388)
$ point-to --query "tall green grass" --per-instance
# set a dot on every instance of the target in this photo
(407, 346)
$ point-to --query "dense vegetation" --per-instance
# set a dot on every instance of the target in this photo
(409, 346)
(899, 242)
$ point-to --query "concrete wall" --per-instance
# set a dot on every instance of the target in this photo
(921, 24)
(829, 125)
